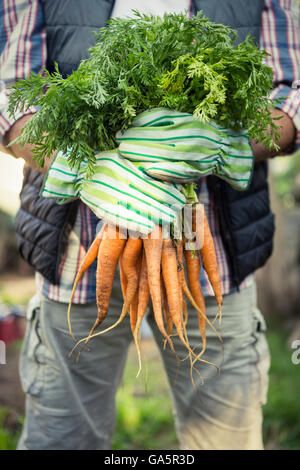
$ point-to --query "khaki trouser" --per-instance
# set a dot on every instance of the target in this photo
(71, 405)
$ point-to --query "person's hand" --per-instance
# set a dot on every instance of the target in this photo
(287, 131)
(25, 152)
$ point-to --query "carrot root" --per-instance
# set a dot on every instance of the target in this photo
(88, 259)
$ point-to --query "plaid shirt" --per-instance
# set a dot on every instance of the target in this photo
(22, 49)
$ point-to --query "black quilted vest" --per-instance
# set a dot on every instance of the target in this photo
(42, 226)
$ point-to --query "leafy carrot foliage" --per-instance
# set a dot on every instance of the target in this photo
(188, 64)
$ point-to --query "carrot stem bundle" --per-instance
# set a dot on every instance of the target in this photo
(153, 268)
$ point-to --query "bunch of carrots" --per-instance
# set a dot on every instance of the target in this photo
(153, 267)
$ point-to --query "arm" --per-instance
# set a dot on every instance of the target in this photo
(24, 152)
(22, 50)
(280, 37)
(287, 133)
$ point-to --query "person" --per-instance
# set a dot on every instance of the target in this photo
(71, 405)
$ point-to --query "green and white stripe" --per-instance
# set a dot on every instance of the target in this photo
(118, 191)
(138, 184)
(182, 149)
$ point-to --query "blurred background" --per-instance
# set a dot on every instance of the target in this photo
(144, 416)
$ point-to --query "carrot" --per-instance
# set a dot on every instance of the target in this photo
(133, 311)
(185, 311)
(168, 319)
(88, 259)
(181, 274)
(135, 282)
(129, 279)
(153, 250)
(110, 250)
(173, 287)
(123, 279)
(208, 256)
(182, 280)
(168, 316)
(143, 300)
(184, 306)
(134, 304)
(193, 274)
(179, 249)
(130, 272)
(130, 267)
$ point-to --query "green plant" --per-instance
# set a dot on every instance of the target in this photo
(188, 64)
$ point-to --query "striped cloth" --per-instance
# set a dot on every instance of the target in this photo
(118, 191)
(136, 186)
(182, 149)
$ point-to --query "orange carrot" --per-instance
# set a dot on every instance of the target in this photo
(133, 311)
(130, 267)
(208, 256)
(193, 274)
(123, 279)
(134, 303)
(173, 287)
(181, 274)
(182, 280)
(153, 250)
(88, 259)
(168, 316)
(179, 249)
(143, 301)
(110, 250)
(185, 311)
